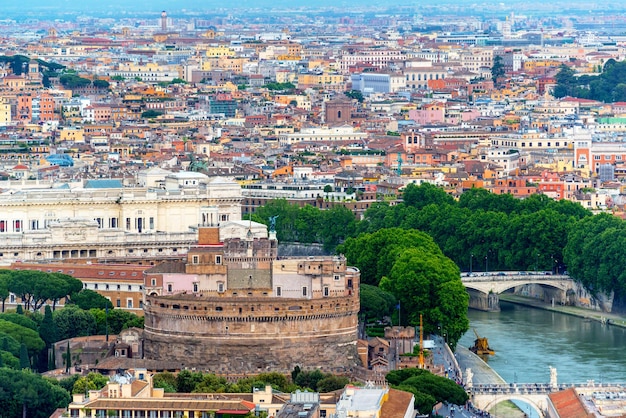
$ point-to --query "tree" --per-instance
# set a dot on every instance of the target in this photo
(93, 381)
(116, 321)
(374, 254)
(73, 81)
(48, 330)
(375, 302)
(4, 286)
(18, 319)
(71, 321)
(354, 94)
(424, 195)
(36, 287)
(24, 359)
(68, 358)
(87, 299)
(151, 114)
(101, 84)
(23, 335)
(23, 393)
(331, 383)
(166, 381)
(428, 283)
(428, 388)
(186, 381)
(309, 379)
(497, 70)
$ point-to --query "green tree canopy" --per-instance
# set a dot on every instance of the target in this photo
(23, 335)
(375, 302)
(23, 393)
(88, 299)
(428, 388)
(71, 321)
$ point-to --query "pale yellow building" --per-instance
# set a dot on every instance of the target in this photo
(5, 111)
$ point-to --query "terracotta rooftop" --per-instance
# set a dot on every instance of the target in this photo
(397, 404)
(568, 404)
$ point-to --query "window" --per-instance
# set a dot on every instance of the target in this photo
(129, 303)
(218, 259)
(128, 224)
(304, 290)
(220, 287)
(119, 303)
(169, 287)
(336, 277)
(118, 287)
(151, 222)
(153, 281)
(279, 291)
(17, 226)
(326, 291)
(130, 287)
(596, 157)
(95, 286)
(195, 259)
(195, 287)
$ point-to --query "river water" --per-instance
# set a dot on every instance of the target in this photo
(528, 341)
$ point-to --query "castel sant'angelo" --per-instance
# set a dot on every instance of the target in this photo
(234, 307)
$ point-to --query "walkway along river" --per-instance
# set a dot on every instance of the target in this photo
(527, 341)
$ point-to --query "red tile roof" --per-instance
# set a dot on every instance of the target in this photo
(568, 404)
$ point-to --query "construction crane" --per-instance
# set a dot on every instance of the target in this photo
(481, 345)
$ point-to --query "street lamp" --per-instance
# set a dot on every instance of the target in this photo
(471, 259)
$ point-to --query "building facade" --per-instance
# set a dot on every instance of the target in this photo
(104, 221)
(234, 307)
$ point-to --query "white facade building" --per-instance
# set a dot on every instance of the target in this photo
(104, 221)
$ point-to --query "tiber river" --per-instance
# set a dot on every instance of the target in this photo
(528, 341)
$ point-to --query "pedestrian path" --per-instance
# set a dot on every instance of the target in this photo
(482, 373)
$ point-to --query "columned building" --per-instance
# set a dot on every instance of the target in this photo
(102, 221)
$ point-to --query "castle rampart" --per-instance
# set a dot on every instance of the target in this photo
(252, 334)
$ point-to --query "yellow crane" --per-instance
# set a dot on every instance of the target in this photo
(421, 357)
(481, 345)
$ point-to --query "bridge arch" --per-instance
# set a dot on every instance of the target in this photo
(516, 397)
(484, 289)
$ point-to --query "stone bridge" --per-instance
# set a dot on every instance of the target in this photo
(535, 395)
(484, 288)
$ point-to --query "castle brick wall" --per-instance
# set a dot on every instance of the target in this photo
(253, 334)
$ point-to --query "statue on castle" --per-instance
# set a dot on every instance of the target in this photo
(273, 223)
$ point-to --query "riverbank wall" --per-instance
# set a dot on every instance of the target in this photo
(591, 314)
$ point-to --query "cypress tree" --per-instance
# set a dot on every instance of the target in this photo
(47, 329)
(52, 359)
(68, 358)
(24, 360)
(19, 310)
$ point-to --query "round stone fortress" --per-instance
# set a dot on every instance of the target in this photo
(234, 308)
(252, 334)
